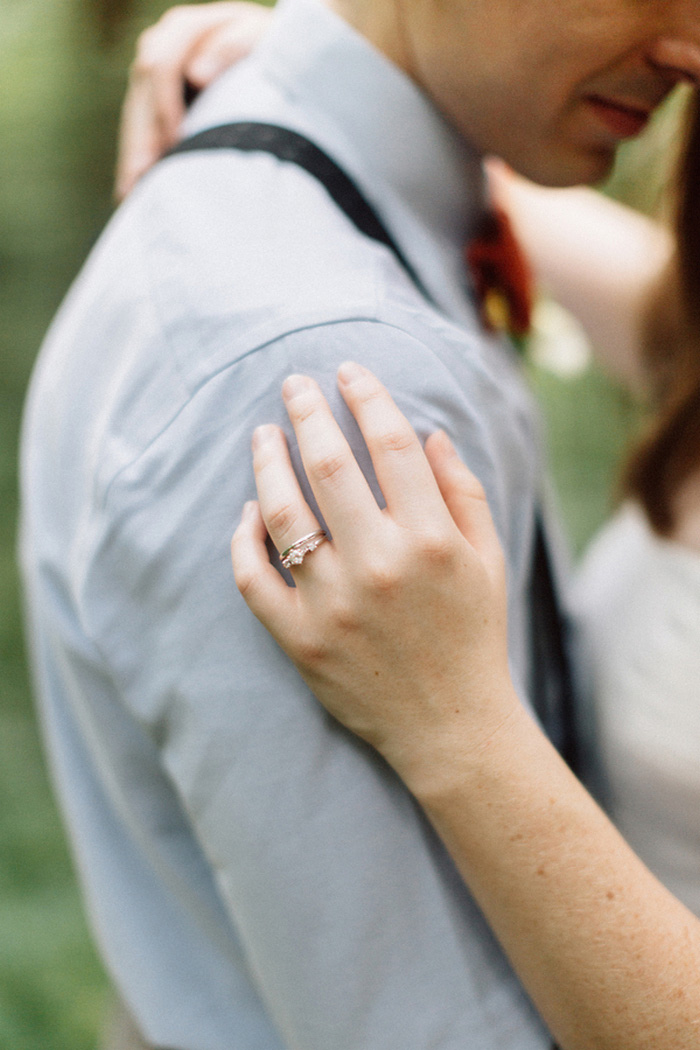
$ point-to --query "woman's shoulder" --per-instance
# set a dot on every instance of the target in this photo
(636, 591)
(627, 549)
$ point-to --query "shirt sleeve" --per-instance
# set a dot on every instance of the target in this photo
(355, 928)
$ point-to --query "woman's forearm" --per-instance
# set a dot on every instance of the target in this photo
(598, 258)
(609, 956)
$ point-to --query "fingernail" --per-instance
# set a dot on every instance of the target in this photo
(294, 385)
(263, 434)
(349, 371)
(249, 508)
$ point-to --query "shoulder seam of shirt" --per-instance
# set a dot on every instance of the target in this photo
(192, 393)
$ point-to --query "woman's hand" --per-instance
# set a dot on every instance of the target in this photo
(190, 46)
(399, 624)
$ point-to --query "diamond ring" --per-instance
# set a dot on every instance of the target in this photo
(295, 554)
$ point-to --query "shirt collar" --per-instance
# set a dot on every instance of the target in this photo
(425, 180)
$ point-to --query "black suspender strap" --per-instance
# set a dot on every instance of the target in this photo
(552, 680)
(296, 149)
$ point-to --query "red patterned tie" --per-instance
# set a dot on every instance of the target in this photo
(502, 276)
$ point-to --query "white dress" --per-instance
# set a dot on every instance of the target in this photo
(637, 604)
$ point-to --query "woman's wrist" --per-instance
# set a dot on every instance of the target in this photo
(436, 761)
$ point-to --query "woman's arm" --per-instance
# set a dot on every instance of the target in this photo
(609, 957)
(399, 627)
(189, 46)
(597, 257)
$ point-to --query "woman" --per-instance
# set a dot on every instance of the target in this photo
(399, 627)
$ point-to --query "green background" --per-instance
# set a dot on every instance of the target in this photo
(62, 74)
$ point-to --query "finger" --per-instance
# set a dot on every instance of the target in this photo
(341, 490)
(227, 43)
(154, 105)
(140, 140)
(189, 44)
(151, 116)
(164, 51)
(464, 496)
(403, 472)
(284, 510)
(161, 54)
(267, 595)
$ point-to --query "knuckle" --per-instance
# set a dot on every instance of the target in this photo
(266, 453)
(344, 616)
(147, 58)
(153, 45)
(476, 489)
(437, 548)
(468, 482)
(382, 576)
(329, 466)
(311, 651)
(246, 581)
(303, 406)
(368, 389)
(397, 439)
(283, 519)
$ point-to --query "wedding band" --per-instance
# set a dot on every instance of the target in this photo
(295, 554)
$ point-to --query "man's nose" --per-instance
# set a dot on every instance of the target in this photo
(678, 59)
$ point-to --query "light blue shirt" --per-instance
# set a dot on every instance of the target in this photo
(257, 879)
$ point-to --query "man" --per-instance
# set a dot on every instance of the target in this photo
(255, 877)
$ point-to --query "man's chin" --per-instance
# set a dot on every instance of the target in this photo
(584, 167)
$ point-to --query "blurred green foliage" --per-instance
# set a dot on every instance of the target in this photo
(62, 74)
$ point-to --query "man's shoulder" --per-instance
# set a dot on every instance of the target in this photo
(232, 253)
(258, 248)
(222, 275)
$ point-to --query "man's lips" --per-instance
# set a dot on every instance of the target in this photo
(622, 120)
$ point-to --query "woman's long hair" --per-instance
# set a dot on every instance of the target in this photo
(669, 453)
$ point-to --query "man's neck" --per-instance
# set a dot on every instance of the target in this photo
(383, 24)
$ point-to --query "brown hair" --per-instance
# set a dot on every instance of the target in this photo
(669, 453)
